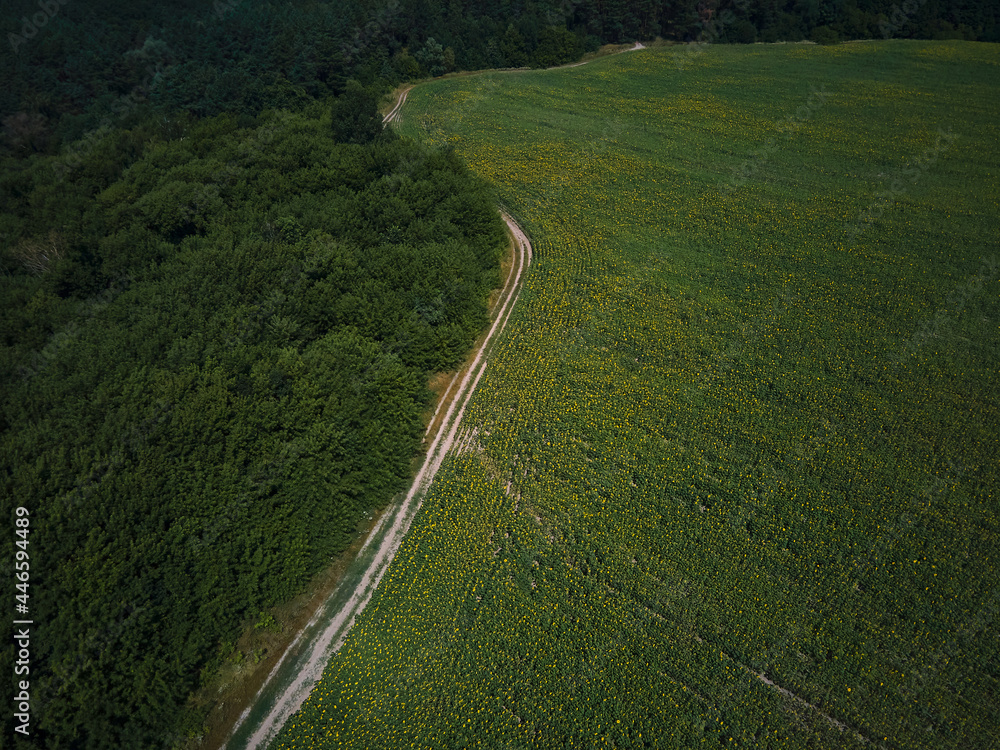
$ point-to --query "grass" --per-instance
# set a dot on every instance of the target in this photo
(734, 480)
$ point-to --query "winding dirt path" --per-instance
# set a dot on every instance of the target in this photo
(302, 665)
(393, 115)
(636, 46)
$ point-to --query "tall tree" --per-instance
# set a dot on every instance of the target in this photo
(355, 115)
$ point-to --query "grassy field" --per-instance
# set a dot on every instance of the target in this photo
(732, 476)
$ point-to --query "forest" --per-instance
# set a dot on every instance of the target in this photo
(214, 364)
(70, 68)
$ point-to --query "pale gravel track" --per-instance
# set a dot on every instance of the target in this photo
(637, 46)
(393, 115)
(328, 641)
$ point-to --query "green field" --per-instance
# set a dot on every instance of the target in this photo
(732, 476)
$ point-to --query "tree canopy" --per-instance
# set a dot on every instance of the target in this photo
(354, 116)
(214, 365)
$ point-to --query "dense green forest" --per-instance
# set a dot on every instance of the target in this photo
(70, 67)
(214, 364)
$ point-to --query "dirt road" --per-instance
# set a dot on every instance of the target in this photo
(393, 114)
(301, 667)
(294, 677)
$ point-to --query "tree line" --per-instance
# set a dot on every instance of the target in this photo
(71, 68)
(214, 363)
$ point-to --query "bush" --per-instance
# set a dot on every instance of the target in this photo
(745, 32)
(825, 35)
(556, 46)
(354, 115)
